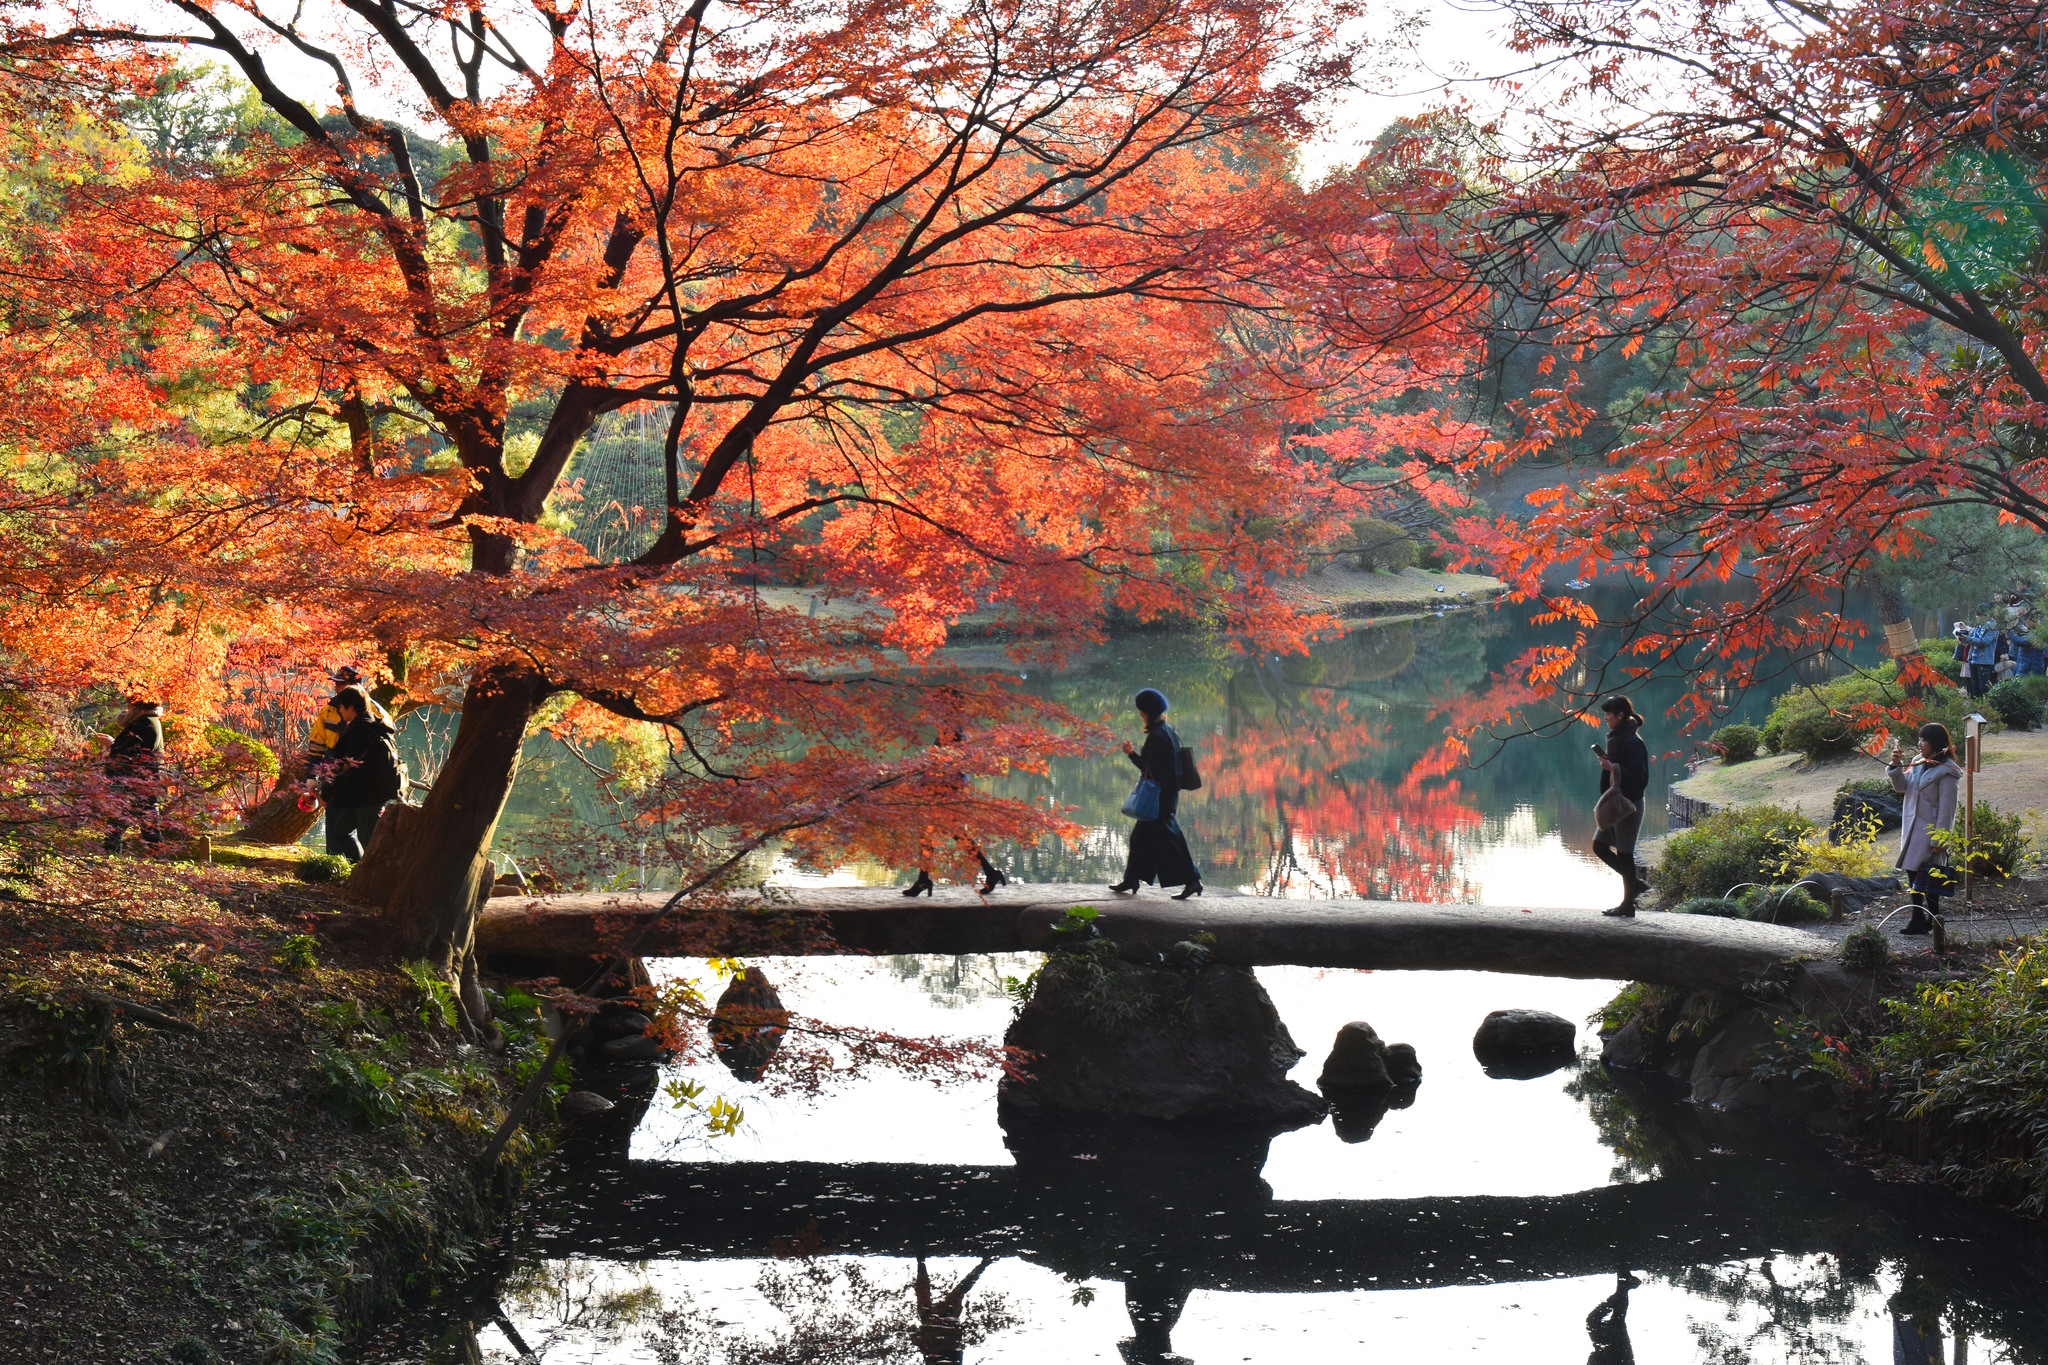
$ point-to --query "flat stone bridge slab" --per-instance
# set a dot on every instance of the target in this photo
(1691, 951)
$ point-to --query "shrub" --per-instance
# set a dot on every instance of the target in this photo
(324, 867)
(1997, 846)
(1867, 950)
(1782, 905)
(1856, 786)
(1853, 851)
(1736, 743)
(1941, 656)
(1718, 906)
(1835, 719)
(1730, 848)
(1965, 1063)
(297, 954)
(1380, 544)
(2013, 702)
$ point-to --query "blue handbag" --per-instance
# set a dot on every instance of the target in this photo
(1143, 802)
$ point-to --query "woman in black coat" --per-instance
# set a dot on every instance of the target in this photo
(1159, 851)
(1624, 765)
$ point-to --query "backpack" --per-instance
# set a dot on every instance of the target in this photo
(1190, 775)
(385, 774)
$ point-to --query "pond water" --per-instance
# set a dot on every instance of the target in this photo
(1325, 774)
(1490, 1221)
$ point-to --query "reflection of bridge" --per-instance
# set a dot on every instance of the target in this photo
(1169, 1209)
(1677, 950)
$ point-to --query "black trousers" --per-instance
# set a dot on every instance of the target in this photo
(1617, 848)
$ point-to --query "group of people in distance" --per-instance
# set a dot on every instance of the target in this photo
(2007, 642)
(1927, 788)
(352, 754)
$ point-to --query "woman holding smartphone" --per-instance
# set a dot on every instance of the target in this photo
(1625, 766)
(1927, 791)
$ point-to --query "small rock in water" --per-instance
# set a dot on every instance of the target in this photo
(619, 1023)
(1357, 1060)
(1403, 1066)
(1523, 1031)
(636, 1048)
(581, 1104)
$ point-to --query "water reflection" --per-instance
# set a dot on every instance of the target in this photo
(1326, 773)
(1573, 1217)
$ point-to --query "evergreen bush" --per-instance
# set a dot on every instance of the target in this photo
(2015, 703)
(1730, 848)
(1736, 743)
(1867, 950)
(1720, 907)
(1381, 544)
(1782, 905)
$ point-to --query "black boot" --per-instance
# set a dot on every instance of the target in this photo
(992, 877)
(1630, 889)
(923, 884)
(1124, 888)
(1920, 923)
(1192, 889)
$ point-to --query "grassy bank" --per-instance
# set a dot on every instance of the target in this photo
(2015, 777)
(1352, 592)
(224, 1135)
(1342, 590)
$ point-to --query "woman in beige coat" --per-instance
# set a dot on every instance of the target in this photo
(1928, 789)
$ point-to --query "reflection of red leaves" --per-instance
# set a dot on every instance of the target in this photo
(1295, 786)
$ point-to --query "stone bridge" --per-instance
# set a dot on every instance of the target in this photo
(1688, 951)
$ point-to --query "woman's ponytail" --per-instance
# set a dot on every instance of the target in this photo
(1619, 705)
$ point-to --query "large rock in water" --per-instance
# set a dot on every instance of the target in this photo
(1524, 1031)
(1157, 1042)
(1357, 1060)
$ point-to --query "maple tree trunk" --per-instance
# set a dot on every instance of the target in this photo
(279, 820)
(426, 872)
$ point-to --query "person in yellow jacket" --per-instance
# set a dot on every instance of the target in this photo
(327, 729)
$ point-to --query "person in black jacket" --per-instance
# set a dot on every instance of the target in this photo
(134, 767)
(359, 774)
(1625, 764)
(1159, 851)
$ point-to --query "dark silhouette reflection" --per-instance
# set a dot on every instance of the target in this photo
(1608, 1326)
(941, 1335)
(1355, 1113)
(748, 1024)
(1523, 1066)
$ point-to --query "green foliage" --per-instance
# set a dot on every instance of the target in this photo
(189, 978)
(1867, 950)
(324, 867)
(1782, 905)
(1969, 1060)
(1380, 544)
(1838, 718)
(1862, 786)
(2016, 703)
(1736, 743)
(1728, 849)
(1720, 907)
(318, 1253)
(298, 953)
(1995, 848)
(1940, 653)
(437, 997)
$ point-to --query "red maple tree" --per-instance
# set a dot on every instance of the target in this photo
(1818, 243)
(937, 312)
